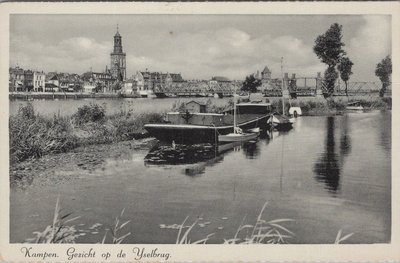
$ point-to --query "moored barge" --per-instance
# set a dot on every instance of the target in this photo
(187, 127)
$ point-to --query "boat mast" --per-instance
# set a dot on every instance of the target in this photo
(283, 102)
(234, 111)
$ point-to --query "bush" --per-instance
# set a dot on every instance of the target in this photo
(179, 106)
(90, 113)
(33, 136)
(129, 127)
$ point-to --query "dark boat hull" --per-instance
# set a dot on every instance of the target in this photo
(186, 134)
(280, 123)
(283, 126)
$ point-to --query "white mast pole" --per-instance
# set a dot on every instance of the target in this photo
(234, 111)
(283, 102)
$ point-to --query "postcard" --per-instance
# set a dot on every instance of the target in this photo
(201, 132)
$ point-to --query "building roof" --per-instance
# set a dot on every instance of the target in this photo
(17, 70)
(52, 77)
(159, 76)
(50, 85)
(221, 79)
(197, 102)
(266, 70)
(95, 75)
(176, 77)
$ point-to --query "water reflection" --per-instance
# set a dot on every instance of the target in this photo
(200, 168)
(328, 167)
(251, 150)
(180, 154)
(195, 157)
(385, 131)
(345, 139)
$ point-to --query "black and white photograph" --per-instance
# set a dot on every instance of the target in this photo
(179, 128)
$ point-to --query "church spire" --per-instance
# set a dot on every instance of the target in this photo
(118, 58)
(117, 34)
(117, 42)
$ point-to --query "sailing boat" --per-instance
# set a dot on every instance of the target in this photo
(280, 121)
(238, 135)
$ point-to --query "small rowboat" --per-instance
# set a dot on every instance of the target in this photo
(354, 106)
(254, 130)
(280, 122)
(238, 137)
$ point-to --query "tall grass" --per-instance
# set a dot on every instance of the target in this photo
(90, 113)
(58, 231)
(262, 231)
(339, 238)
(115, 230)
(183, 235)
(321, 106)
(32, 135)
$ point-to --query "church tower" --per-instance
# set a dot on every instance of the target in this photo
(118, 59)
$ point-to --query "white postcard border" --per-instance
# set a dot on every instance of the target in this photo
(209, 253)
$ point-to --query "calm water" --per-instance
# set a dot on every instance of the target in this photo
(328, 173)
(138, 105)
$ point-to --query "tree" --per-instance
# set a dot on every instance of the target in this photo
(328, 48)
(331, 76)
(344, 68)
(383, 71)
(99, 87)
(117, 85)
(251, 84)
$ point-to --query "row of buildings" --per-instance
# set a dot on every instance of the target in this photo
(113, 79)
(26, 80)
(21, 80)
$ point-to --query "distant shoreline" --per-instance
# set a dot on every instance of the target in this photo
(66, 95)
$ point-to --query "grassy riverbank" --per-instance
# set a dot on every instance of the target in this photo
(337, 105)
(32, 135)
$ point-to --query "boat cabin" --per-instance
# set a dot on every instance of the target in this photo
(195, 106)
(251, 108)
(208, 119)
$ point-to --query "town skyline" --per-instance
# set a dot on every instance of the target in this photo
(197, 46)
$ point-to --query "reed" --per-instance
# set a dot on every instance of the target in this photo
(58, 231)
(321, 106)
(262, 231)
(339, 238)
(183, 235)
(32, 135)
(115, 230)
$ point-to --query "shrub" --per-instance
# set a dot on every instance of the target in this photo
(90, 113)
(178, 106)
(33, 136)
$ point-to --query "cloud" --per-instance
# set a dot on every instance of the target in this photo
(206, 52)
(370, 44)
(77, 54)
(227, 51)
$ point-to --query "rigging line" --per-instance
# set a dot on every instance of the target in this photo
(281, 177)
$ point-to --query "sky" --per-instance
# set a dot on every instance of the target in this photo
(197, 46)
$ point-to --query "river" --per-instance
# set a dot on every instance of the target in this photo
(327, 174)
(138, 105)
